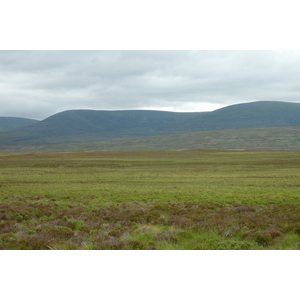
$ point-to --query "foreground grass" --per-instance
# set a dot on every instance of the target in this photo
(150, 200)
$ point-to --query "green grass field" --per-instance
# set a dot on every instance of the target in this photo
(192, 199)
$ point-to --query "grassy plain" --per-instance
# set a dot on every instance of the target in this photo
(192, 199)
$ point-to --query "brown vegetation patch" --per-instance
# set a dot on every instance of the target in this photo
(38, 226)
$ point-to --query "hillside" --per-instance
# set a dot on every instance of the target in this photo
(93, 121)
(262, 114)
(90, 126)
(7, 123)
(283, 138)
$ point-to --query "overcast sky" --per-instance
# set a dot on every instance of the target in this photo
(37, 84)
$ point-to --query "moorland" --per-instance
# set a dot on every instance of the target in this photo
(191, 199)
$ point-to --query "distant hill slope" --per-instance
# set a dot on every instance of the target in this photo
(95, 121)
(262, 114)
(82, 125)
(280, 138)
(7, 123)
(77, 126)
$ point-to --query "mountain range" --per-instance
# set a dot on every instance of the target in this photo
(83, 127)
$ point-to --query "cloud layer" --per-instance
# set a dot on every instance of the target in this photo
(37, 84)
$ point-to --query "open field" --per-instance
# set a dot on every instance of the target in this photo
(192, 199)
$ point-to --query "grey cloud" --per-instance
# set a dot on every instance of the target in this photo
(37, 84)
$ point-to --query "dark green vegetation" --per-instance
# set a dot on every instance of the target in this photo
(196, 199)
(7, 123)
(108, 130)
